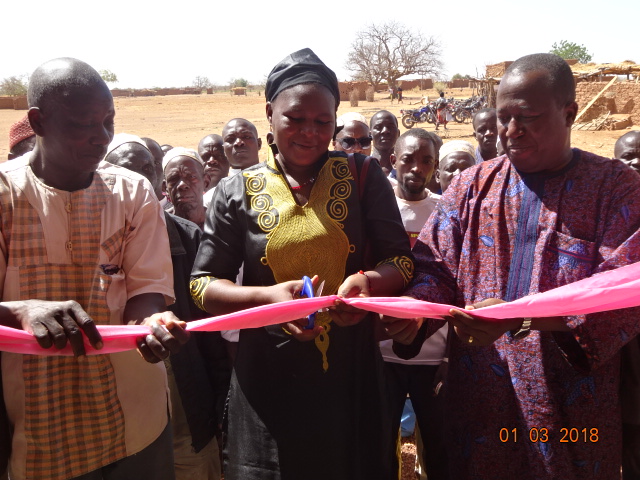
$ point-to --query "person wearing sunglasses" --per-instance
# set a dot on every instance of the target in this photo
(354, 137)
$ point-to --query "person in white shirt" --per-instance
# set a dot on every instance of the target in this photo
(415, 160)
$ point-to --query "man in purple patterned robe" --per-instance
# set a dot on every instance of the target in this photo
(532, 398)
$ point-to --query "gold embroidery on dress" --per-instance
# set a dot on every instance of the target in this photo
(198, 286)
(323, 319)
(403, 264)
(301, 239)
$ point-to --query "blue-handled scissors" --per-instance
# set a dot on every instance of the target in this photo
(307, 291)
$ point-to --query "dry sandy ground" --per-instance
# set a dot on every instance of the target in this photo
(182, 120)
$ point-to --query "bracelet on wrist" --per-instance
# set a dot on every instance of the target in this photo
(362, 272)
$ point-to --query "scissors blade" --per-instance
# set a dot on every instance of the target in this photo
(320, 288)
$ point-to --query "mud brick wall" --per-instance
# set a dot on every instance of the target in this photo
(6, 102)
(459, 83)
(621, 97)
(119, 92)
(425, 83)
(20, 103)
(347, 87)
(169, 91)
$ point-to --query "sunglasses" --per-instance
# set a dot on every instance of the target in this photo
(349, 142)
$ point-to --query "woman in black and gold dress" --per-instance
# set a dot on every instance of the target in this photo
(304, 404)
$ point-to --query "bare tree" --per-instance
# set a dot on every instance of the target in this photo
(201, 82)
(392, 50)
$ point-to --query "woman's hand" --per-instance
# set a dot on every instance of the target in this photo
(285, 291)
(290, 291)
(297, 330)
(356, 285)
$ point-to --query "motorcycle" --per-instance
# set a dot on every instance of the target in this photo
(412, 116)
(464, 111)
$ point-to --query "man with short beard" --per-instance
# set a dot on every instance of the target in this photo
(415, 160)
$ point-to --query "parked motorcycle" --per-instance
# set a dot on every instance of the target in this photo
(412, 116)
(464, 110)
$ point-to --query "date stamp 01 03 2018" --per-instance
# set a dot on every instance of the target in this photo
(542, 435)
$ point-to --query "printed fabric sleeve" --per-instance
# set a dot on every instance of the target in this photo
(602, 335)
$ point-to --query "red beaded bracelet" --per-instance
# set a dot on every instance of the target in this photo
(361, 272)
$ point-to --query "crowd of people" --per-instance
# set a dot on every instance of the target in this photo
(104, 229)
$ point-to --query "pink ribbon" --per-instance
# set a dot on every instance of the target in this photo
(612, 290)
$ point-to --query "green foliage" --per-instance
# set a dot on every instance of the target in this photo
(457, 76)
(108, 76)
(202, 82)
(440, 86)
(568, 50)
(238, 82)
(13, 86)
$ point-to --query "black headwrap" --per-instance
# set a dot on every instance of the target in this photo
(302, 66)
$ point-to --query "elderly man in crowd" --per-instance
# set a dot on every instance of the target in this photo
(76, 254)
(485, 131)
(415, 160)
(22, 138)
(185, 183)
(542, 216)
(199, 373)
(455, 157)
(627, 149)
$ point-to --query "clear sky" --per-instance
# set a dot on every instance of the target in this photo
(162, 44)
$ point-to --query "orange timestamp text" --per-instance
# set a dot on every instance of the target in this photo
(535, 435)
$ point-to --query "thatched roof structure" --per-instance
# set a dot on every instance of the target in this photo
(580, 70)
(584, 70)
